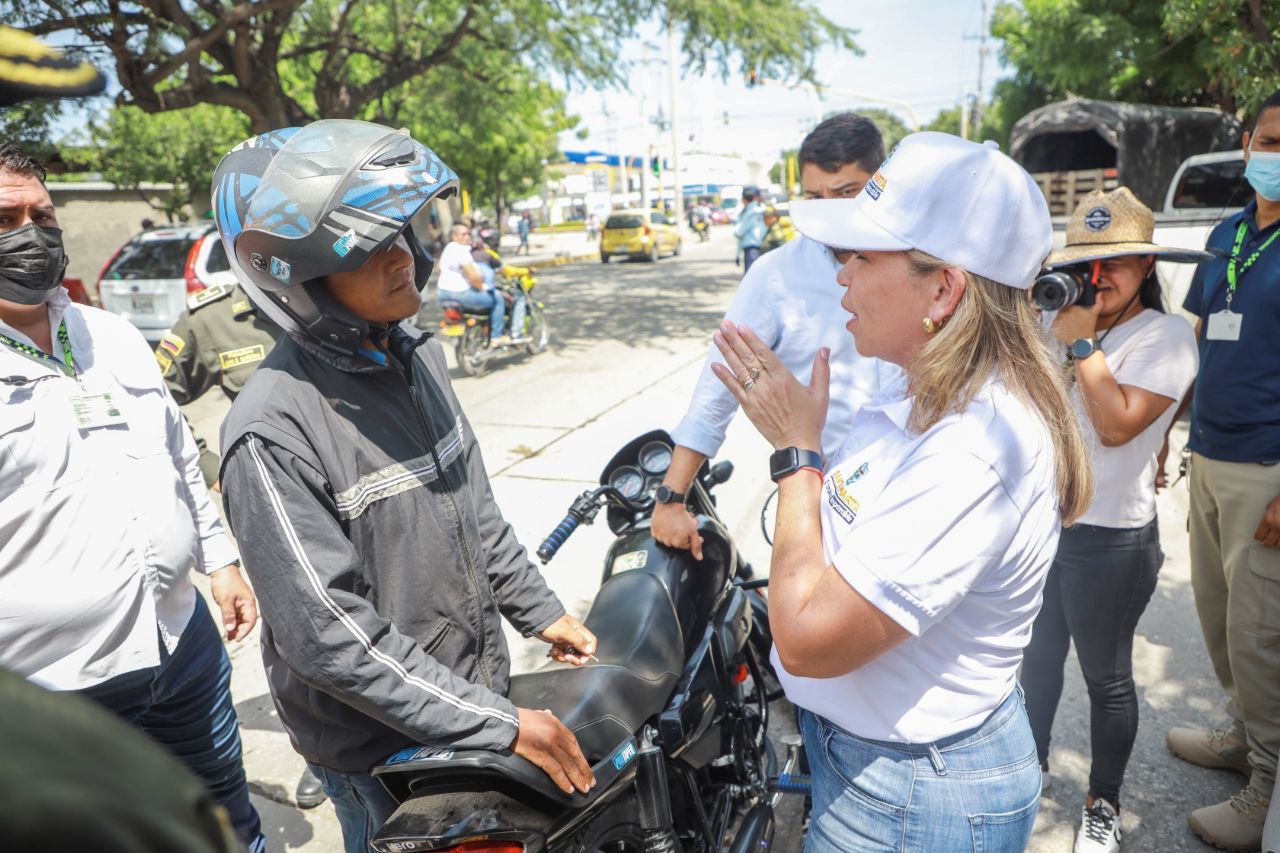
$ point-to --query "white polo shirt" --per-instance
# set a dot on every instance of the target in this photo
(950, 534)
(791, 300)
(453, 257)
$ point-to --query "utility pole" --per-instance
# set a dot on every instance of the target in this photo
(677, 205)
(982, 67)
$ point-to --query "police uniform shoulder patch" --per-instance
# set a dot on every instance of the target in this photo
(209, 294)
(242, 356)
(244, 306)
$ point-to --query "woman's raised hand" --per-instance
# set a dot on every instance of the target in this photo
(785, 411)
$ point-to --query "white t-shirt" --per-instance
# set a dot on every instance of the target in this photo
(453, 258)
(950, 534)
(791, 300)
(1155, 352)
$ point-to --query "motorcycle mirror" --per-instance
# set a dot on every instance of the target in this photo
(720, 473)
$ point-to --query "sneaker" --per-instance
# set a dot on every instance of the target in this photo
(1233, 825)
(1099, 828)
(500, 341)
(1222, 748)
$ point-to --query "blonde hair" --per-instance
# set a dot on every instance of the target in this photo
(994, 331)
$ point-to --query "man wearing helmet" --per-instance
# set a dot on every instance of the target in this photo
(354, 483)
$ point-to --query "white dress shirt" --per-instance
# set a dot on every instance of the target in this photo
(949, 533)
(99, 526)
(791, 300)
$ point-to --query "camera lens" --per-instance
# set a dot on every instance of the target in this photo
(1056, 290)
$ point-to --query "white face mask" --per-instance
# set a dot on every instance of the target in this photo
(1263, 172)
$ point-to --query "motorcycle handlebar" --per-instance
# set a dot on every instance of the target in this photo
(584, 510)
(557, 538)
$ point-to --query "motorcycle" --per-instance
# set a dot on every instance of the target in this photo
(702, 229)
(672, 715)
(471, 327)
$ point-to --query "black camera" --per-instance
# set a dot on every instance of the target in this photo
(1059, 288)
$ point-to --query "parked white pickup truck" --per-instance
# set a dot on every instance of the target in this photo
(1206, 189)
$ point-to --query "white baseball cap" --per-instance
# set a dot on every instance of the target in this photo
(964, 203)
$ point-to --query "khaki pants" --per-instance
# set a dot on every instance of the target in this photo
(1237, 588)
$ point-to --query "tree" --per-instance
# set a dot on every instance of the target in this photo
(30, 124)
(285, 62)
(947, 121)
(496, 139)
(778, 171)
(891, 127)
(181, 147)
(1169, 52)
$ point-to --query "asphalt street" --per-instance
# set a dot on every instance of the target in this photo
(627, 342)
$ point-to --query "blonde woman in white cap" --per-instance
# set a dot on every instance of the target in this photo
(907, 569)
(1132, 364)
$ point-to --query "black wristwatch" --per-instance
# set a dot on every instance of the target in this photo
(664, 494)
(789, 460)
(1082, 348)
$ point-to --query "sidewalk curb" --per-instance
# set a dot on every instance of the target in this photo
(562, 260)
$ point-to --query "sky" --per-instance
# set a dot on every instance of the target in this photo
(915, 51)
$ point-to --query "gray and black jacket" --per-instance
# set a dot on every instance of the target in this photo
(364, 517)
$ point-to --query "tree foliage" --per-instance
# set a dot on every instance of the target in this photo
(1219, 53)
(891, 127)
(284, 62)
(30, 125)
(181, 147)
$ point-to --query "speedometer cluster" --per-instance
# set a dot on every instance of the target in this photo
(636, 482)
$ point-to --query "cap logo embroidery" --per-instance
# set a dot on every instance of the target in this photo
(876, 185)
(1097, 219)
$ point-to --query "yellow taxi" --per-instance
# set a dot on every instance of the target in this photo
(638, 233)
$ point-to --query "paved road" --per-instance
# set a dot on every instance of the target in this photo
(627, 342)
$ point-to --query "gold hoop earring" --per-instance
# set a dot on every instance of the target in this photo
(930, 326)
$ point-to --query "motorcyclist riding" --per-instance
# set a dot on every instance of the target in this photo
(354, 482)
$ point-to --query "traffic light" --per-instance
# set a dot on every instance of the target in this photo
(656, 164)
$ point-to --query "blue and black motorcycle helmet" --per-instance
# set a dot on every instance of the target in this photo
(297, 204)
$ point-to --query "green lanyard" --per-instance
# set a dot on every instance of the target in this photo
(1233, 276)
(32, 352)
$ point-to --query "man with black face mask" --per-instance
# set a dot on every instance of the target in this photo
(104, 512)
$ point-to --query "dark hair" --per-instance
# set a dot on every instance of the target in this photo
(842, 139)
(1151, 293)
(14, 159)
(1272, 101)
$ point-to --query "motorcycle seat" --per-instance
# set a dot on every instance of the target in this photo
(450, 305)
(639, 654)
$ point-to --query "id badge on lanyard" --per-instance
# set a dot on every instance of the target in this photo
(1225, 325)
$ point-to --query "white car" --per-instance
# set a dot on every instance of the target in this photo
(150, 278)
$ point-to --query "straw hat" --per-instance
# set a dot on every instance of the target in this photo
(1109, 225)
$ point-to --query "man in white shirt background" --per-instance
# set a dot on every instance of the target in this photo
(461, 281)
(104, 512)
(790, 299)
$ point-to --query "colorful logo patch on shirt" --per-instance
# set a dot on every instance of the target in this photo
(172, 343)
(858, 474)
(242, 356)
(344, 244)
(845, 505)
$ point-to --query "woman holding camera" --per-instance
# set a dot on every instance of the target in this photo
(1132, 364)
(908, 568)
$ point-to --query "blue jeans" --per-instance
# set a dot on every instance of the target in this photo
(977, 790)
(1098, 586)
(361, 802)
(750, 255)
(184, 704)
(481, 300)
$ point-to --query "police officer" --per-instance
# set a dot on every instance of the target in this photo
(220, 341)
